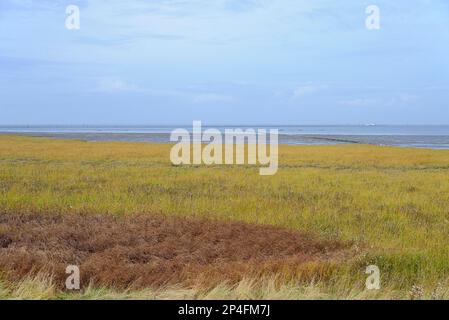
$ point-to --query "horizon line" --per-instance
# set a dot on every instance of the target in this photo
(218, 124)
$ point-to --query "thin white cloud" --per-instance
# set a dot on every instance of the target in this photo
(358, 102)
(211, 97)
(401, 99)
(115, 85)
(304, 90)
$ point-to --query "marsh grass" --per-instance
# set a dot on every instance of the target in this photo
(42, 287)
(392, 203)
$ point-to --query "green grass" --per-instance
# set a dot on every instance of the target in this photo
(392, 203)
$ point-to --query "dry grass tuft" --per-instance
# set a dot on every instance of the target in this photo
(141, 251)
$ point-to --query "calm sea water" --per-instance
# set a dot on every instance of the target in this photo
(436, 137)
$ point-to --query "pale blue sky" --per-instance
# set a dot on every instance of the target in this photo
(224, 61)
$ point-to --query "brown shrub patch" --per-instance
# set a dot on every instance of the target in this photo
(152, 250)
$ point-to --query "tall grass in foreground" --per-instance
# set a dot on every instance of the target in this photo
(391, 203)
(41, 287)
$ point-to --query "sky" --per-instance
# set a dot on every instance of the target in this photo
(224, 62)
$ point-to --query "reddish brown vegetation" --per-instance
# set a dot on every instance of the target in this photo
(149, 250)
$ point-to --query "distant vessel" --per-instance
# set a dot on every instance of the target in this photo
(370, 124)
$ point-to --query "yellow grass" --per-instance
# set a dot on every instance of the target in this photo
(41, 287)
(392, 203)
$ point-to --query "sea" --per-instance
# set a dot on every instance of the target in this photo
(415, 136)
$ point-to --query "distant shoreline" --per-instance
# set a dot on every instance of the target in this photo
(409, 141)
